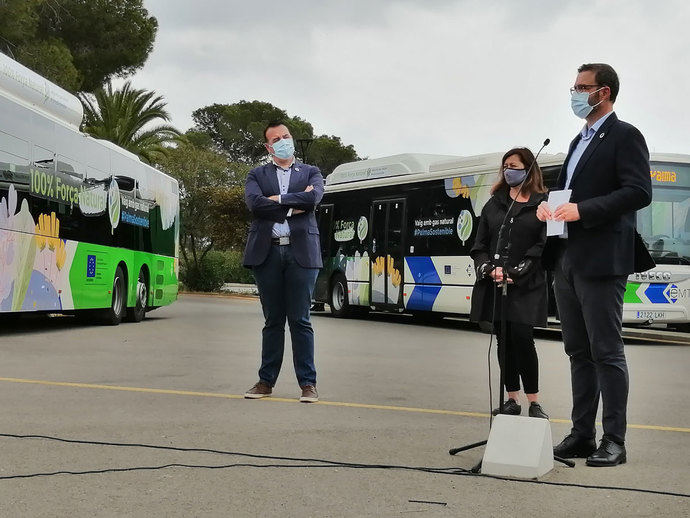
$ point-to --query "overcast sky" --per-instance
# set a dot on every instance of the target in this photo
(427, 76)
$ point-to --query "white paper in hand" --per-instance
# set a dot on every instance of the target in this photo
(556, 199)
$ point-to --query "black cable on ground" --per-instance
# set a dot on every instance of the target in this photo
(314, 463)
(220, 466)
(219, 452)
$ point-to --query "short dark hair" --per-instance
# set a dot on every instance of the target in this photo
(604, 75)
(273, 124)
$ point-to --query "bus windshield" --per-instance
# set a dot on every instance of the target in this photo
(665, 223)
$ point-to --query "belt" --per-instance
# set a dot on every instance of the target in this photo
(281, 241)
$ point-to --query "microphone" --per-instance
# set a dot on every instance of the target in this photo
(546, 143)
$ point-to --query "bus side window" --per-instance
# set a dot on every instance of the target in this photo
(325, 219)
(71, 173)
(13, 170)
(70, 167)
(96, 228)
(43, 159)
(43, 172)
(125, 172)
(96, 175)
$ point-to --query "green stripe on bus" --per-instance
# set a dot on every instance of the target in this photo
(91, 285)
(631, 296)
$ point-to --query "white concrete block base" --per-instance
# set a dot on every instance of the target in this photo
(518, 447)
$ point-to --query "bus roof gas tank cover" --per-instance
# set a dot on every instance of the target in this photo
(36, 92)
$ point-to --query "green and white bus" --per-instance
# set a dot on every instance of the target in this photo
(396, 234)
(85, 226)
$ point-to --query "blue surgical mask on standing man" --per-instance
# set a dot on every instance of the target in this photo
(579, 101)
(284, 148)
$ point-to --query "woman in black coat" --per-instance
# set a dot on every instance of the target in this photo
(526, 304)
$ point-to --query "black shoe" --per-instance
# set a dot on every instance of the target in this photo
(609, 453)
(510, 407)
(535, 410)
(574, 447)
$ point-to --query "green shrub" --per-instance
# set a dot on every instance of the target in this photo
(217, 268)
(234, 271)
(209, 276)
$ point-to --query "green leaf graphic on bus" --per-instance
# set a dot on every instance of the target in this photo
(464, 226)
(362, 228)
(114, 205)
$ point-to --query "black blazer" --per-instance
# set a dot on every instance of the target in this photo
(610, 183)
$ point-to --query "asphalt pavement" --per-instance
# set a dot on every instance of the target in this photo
(148, 420)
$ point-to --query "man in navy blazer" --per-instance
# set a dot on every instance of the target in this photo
(607, 168)
(284, 254)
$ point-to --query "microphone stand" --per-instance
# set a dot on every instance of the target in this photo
(502, 259)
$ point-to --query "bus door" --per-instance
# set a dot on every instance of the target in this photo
(324, 217)
(388, 220)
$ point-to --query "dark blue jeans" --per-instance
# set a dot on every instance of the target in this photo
(285, 289)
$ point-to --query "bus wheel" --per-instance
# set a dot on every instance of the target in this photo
(340, 306)
(138, 312)
(113, 315)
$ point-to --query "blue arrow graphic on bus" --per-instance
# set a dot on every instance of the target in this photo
(422, 297)
(423, 270)
(655, 293)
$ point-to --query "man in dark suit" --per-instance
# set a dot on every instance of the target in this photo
(607, 168)
(284, 254)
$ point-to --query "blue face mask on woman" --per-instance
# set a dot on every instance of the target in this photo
(579, 101)
(514, 177)
(284, 148)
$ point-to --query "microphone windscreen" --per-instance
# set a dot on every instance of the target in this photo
(547, 141)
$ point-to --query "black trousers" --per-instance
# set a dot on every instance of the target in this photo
(591, 313)
(521, 357)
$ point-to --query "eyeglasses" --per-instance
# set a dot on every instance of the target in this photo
(582, 88)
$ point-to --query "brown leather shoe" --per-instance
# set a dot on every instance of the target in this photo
(259, 390)
(309, 394)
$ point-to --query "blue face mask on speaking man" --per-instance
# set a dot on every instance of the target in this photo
(284, 148)
(579, 101)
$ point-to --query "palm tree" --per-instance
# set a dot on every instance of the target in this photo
(121, 116)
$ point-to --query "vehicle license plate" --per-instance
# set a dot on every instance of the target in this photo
(650, 315)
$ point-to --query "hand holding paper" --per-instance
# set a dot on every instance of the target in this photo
(556, 199)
